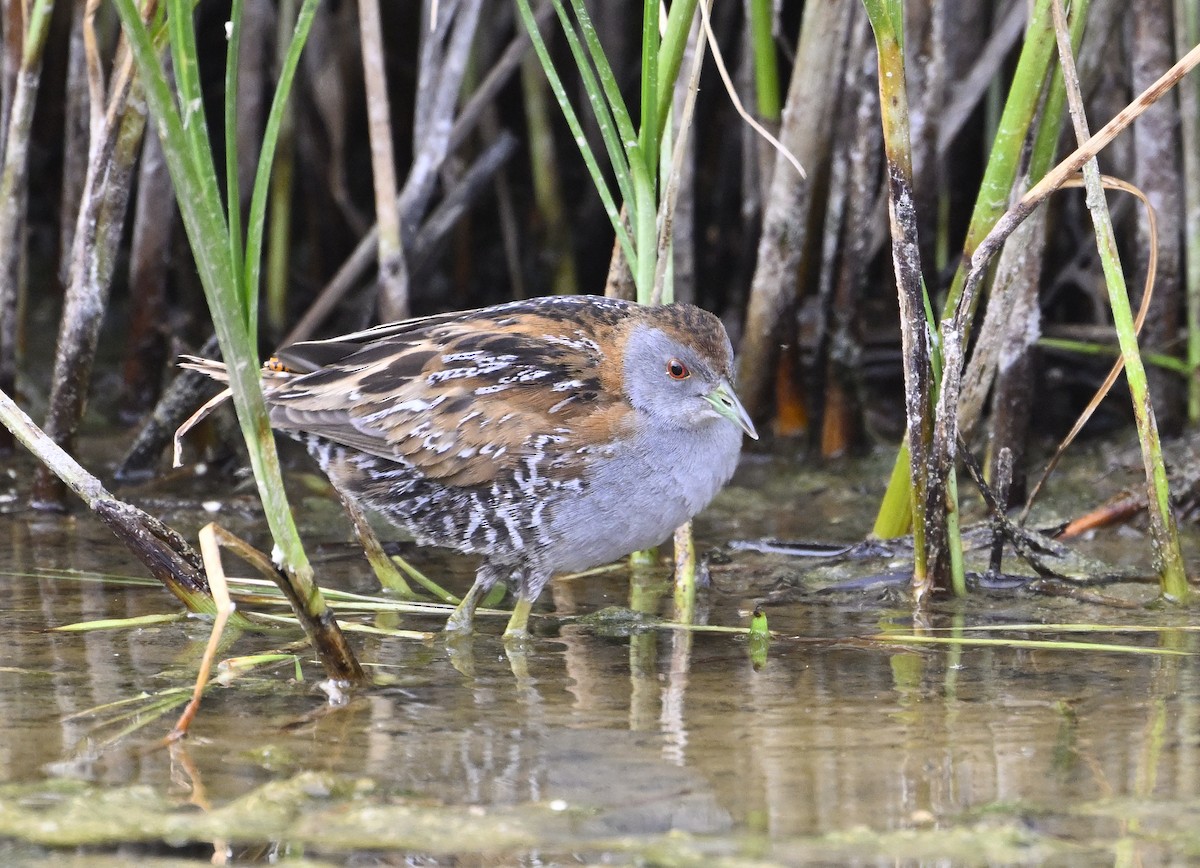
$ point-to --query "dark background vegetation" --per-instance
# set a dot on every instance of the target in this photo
(828, 377)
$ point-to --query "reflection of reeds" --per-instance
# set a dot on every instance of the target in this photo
(437, 104)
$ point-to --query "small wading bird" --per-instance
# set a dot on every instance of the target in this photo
(548, 435)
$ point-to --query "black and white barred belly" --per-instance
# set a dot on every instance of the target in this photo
(503, 518)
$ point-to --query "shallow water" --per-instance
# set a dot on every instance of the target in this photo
(597, 743)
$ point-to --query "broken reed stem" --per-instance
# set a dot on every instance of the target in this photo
(928, 517)
(165, 553)
(211, 553)
(1168, 556)
(319, 626)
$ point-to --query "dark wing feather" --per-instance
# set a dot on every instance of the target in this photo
(464, 398)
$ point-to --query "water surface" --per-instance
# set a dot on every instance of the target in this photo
(597, 742)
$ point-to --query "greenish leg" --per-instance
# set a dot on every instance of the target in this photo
(462, 619)
(385, 570)
(518, 624)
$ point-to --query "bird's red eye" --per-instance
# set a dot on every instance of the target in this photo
(677, 370)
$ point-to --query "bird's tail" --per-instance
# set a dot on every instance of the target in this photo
(210, 368)
(215, 370)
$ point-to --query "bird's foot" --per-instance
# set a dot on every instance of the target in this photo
(460, 622)
(518, 625)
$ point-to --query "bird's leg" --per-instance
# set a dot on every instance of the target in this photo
(462, 619)
(529, 585)
(518, 624)
(385, 569)
(341, 477)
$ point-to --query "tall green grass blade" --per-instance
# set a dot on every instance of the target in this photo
(648, 133)
(608, 80)
(196, 142)
(266, 157)
(589, 158)
(198, 194)
(203, 223)
(608, 107)
(766, 67)
(1168, 556)
(670, 56)
(233, 192)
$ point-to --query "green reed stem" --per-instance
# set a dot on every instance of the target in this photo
(760, 638)
(766, 66)
(233, 194)
(999, 176)
(283, 165)
(1168, 555)
(1187, 34)
(266, 159)
(231, 286)
(887, 22)
(597, 97)
(670, 56)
